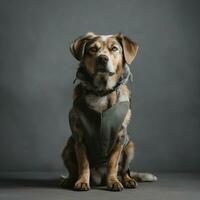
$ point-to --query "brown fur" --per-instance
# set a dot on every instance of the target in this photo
(86, 49)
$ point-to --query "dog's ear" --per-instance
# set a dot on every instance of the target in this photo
(77, 47)
(130, 48)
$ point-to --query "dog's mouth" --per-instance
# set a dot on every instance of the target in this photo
(104, 70)
(98, 80)
(103, 65)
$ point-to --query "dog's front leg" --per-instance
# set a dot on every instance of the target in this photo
(112, 181)
(82, 184)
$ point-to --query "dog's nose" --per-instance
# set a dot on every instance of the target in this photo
(102, 59)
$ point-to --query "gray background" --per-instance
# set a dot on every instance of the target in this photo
(37, 70)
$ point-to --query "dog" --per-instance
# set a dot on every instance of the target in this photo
(99, 149)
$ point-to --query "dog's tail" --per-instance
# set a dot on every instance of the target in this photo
(143, 176)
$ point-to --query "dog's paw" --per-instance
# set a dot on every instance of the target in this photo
(114, 185)
(130, 183)
(81, 186)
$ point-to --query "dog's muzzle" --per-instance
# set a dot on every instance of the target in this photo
(102, 64)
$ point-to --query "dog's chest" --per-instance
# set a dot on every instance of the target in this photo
(97, 103)
(100, 129)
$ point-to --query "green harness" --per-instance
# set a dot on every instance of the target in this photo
(100, 129)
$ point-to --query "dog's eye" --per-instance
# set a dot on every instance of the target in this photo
(114, 48)
(93, 49)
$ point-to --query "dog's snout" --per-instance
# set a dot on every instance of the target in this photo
(102, 64)
(102, 59)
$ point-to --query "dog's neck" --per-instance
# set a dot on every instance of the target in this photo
(101, 87)
(101, 93)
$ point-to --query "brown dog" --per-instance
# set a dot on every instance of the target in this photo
(99, 149)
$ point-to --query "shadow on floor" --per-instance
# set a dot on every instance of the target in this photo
(38, 183)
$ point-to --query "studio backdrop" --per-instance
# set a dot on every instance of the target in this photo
(37, 71)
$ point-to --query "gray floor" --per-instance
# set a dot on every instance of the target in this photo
(43, 186)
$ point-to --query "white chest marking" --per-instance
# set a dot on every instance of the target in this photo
(96, 103)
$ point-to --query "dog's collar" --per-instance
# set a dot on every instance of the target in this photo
(102, 93)
(83, 75)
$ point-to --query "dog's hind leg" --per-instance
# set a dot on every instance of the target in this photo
(69, 159)
(129, 178)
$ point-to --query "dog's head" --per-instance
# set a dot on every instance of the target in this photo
(104, 56)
